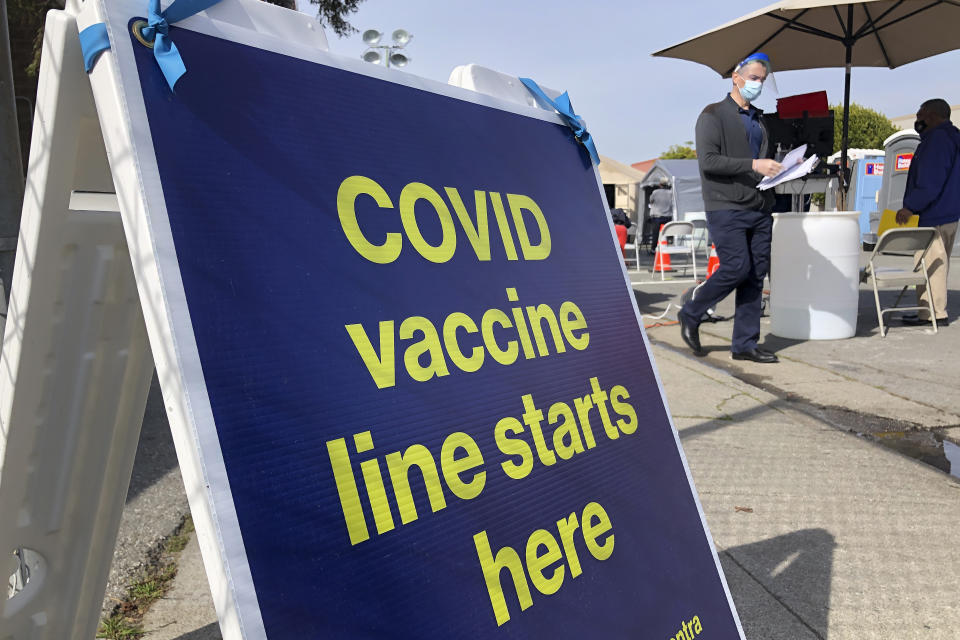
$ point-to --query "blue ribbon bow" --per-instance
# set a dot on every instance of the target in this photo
(157, 31)
(564, 107)
(93, 41)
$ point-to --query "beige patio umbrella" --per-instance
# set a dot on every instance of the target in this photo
(811, 34)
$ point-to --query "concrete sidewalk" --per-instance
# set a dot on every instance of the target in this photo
(845, 539)
(900, 390)
(821, 534)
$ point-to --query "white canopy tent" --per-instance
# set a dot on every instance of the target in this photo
(623, 181)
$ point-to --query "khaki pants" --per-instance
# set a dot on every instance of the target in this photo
(938, 266)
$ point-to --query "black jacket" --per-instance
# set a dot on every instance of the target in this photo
(726, 160)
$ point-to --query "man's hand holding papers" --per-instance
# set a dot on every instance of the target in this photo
(794, 166)
(766, 167)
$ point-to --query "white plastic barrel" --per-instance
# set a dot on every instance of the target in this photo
(814, 275)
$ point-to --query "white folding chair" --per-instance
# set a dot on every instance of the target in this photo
(682, 234)
(899, 260)
(701, 235)
(632, 246)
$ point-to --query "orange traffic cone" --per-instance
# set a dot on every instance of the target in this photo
(661, 261)
(713, 262)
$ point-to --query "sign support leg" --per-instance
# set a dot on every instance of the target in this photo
(76, 366)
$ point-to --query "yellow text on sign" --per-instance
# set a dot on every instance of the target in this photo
(543, 558)
(461, 465)
(419, 198)
(528, 331)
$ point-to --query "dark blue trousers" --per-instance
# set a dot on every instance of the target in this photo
(742, 239)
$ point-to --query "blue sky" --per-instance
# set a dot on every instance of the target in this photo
(635, 105)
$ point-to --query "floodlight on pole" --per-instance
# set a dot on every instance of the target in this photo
(388, 53)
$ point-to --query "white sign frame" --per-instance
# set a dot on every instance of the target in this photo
(119, 104)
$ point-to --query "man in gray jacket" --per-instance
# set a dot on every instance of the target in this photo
(732, 150)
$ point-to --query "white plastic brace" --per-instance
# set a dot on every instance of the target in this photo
(76, 366)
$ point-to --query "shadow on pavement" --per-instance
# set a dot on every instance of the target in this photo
(867, 324)
(652, 302)
(209, 632)
(708, 426)
(776, 343)
(795, 570)
(155, 453)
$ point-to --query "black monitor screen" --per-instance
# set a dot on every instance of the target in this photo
(816, 133)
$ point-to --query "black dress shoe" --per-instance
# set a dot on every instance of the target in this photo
(691, 335)
(756, 355)
(916, 321)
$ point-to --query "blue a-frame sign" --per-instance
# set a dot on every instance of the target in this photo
(411, 391)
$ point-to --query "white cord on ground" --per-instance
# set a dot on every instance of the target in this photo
(665, 312)
(693, 294)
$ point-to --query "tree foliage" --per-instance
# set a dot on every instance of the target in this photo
(683, 151)
(332, 13)
(867, 130)
(30, 13)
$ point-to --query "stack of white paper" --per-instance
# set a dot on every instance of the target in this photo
(794, 166)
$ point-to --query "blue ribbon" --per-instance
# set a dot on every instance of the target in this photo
(157, 31)
(564, 107)
(93, 41)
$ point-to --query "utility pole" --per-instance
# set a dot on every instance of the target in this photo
(11, 165)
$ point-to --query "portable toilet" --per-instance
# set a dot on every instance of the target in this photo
(866, 181)
(899, 149)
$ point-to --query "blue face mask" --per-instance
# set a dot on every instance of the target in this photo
(751, 90)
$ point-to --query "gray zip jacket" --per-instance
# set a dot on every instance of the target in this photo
(726, 160)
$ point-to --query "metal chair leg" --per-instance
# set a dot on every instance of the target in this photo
(876, 298)
(933, 315)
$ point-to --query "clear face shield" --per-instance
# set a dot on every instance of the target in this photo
(756, 73)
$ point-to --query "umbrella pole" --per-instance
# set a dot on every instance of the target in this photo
(844, 138)
(844, 134)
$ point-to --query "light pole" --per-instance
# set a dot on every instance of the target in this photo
(389, 53)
